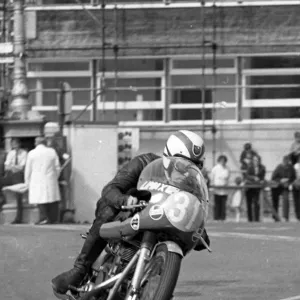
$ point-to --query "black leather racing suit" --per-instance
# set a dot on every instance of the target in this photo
(115, 193)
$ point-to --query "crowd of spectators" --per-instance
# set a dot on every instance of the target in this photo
(248, 186)
(37, 173)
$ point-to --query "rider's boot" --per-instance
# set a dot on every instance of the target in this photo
(91, 249)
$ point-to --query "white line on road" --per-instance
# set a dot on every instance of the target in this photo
(255, 236)
(70, 227)
(263, 228)
(292, 298)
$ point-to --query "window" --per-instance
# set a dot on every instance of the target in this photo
(130, 115)
(189, 97)
(275, 113)
(128, 89)
(272, 87)
(270, 91)
(198, 63)
(226, 93)
(131, 99)
(50, 2)
(44, 91)
(58, 66)
(131, 64)
(272, 62)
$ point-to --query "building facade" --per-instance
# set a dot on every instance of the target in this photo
(160, 67)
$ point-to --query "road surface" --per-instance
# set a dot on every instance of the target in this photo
(249, 262)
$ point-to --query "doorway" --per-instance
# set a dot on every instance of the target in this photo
(27, 143)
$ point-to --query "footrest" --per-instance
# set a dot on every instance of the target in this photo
(63, 296)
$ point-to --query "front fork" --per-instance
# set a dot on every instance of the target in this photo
(149, 240)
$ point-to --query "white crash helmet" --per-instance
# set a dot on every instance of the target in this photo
(186, 144)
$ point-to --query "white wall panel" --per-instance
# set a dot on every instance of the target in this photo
(94, 154)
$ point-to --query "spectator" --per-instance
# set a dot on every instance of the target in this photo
(247, 161)
(219, 177)
(296, 190)
(41, 175)
(14, 173)
(245, 153)
(283, 175)
(295, 148)
(254, 175)
(237, 199)
(65, 173)
(53, 143)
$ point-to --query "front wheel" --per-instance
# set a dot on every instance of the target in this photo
(161, 275)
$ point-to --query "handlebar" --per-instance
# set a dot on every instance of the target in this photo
(142, 204)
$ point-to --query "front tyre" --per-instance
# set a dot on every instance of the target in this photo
(161, 275)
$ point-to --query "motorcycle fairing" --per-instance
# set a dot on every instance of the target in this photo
(180, 215)
(118, 230)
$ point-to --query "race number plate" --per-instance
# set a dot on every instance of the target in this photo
(184, 211)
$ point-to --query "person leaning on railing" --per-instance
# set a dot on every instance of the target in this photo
(284, 175)
(220, 174)
(295, 148)
(254, 175)
(14, 174)
(296, 190)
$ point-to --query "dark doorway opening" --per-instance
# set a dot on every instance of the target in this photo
(27, 143)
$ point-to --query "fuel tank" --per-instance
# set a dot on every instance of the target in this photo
(151, 218)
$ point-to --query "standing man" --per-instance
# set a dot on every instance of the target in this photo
(284, 175)
(296, 190)
(41, 175)
(254, 175)
(220, 174)
(247, 152)
(14, 173)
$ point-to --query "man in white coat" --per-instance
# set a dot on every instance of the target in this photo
(41, 176)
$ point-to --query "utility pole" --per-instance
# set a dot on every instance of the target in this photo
(20, 104)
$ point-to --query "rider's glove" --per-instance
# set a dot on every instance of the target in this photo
(123, 215)
(131, 201)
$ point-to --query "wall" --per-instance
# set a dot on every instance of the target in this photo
(251, 29)
(271, 142)
(94, 160)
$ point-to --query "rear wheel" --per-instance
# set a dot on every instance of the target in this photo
(161, 275)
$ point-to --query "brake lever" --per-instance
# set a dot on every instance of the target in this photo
(140, 205)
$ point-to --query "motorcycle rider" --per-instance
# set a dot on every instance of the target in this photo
(184, 144)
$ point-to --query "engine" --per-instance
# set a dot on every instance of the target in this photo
(124, 252)
(127, 252)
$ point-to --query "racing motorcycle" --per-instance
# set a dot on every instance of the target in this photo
(143, 257)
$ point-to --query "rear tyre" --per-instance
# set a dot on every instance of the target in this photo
(161, 275)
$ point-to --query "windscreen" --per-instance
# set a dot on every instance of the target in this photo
(177, 172)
